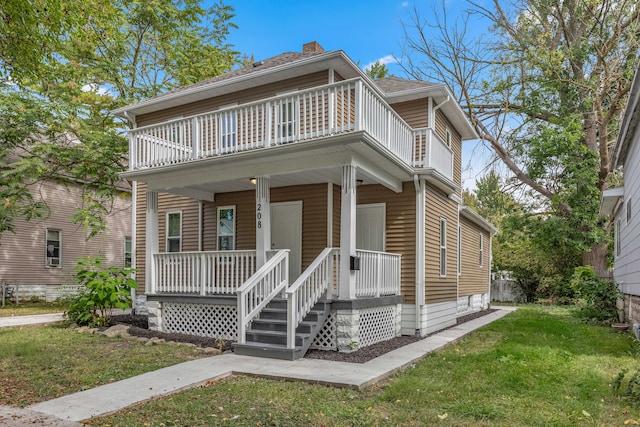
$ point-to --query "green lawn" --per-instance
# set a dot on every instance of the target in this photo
(39, 363)
(536, 367)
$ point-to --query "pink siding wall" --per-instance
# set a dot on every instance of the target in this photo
(22, 254)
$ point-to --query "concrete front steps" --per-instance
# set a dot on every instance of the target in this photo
(267, 336)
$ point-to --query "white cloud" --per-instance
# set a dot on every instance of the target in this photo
(404, 4)
(95, 88)
(385, 60)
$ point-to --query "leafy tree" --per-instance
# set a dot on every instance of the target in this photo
(81, 61)
(544, 87)
(377, 70)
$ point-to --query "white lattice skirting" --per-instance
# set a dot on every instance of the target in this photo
(377, 324)
(327, 337)
(216, 321)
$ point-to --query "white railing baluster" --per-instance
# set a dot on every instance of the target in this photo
(379, 274)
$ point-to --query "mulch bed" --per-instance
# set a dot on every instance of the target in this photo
(139, 326)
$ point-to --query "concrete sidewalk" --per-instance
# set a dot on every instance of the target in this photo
(34, 319)
(113, 397)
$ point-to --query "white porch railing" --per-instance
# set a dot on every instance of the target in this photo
(270, 280)
(202, 273)
(305, 292)
(379, 274)
(346, 106)
(432, 152)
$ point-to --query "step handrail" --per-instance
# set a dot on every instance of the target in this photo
(305, 292)
(264, 285)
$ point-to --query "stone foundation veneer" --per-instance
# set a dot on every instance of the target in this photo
(155, 315)
(348, 329)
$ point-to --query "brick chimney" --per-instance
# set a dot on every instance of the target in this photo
(312, 47)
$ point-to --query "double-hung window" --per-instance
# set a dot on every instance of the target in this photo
(443, 247)
(286, 120)
(481, 250)
(226, 228)
(53, 248)
(128, 253)
(228, 131)
(459, 252)
(174, 231)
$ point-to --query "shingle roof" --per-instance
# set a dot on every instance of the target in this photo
(397, 84)
(283, 58)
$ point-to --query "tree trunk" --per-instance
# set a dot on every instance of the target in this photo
(597, 258)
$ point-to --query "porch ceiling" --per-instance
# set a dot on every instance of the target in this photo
(293, 164)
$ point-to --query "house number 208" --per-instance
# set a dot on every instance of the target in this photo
(259, 215)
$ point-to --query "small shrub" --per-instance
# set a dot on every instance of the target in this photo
(632, 388)
(598, 297)
(103, 290)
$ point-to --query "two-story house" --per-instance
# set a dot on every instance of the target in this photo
(296, 202)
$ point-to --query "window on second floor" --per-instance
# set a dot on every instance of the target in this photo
(174, 232)
(53, 248)
(228, 131)
(447, 137)
(226, 228)
(286, 122)
(443, 247)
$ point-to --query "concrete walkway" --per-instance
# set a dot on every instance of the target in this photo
(113, 397)
(30, 320)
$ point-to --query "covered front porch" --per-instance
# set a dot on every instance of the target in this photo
(343, 299)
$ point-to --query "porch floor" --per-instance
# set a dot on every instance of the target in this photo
(91, 403)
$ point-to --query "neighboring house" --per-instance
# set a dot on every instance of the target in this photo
(38, 259)
(300, 177)
(624, 202)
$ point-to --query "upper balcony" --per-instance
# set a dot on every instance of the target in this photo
(312, 114)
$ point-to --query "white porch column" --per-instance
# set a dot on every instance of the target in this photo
(263, 219)
(152, 245)
(347, 288)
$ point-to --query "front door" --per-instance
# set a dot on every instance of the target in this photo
(370, 227)
(286, 233)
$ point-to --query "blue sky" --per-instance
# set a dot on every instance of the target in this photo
(365, 30)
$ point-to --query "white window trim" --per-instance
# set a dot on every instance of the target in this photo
(481, 249)
(179, 237)
(46, 256)
(218, 235)
(443, 238)
(448, 135)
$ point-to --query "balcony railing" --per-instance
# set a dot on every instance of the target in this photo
(337, 108)
(432, 152)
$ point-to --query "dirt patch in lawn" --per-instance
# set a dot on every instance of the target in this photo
(139, 326)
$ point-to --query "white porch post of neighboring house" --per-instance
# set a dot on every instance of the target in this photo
(347, 288)
(263, 219)
(152, 246)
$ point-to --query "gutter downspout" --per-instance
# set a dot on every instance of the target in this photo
(420, 250)
(134, 201)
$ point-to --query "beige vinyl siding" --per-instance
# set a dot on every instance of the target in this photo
(189, 208)
(456, 145)
(415, 113)
(474, 279)
(140, 243)
(400, 228)
(440, 289)
(262, 92)
(22, 253)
